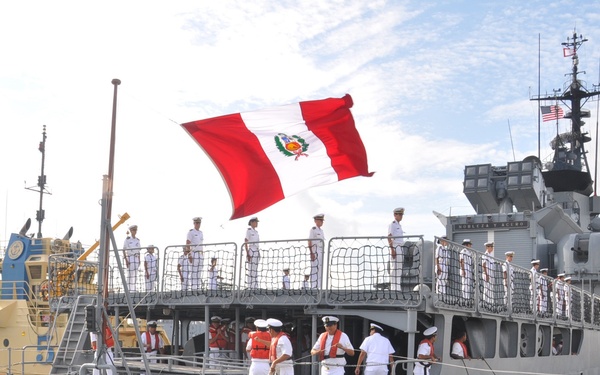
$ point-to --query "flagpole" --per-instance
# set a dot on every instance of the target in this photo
(539, 93)
(596, 163)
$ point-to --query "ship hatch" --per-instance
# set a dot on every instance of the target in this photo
(581, 248)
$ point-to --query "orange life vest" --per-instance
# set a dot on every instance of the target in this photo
(258, 349)
(333, 350)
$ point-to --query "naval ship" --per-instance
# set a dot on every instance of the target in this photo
(518, 317)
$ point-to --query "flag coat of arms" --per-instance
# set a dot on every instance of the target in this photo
(267, 155)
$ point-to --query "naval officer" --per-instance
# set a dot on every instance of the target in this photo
(379, 352)
(316, 243)
(252, 253)
(425, 352)
(396, 240)
(195, 239)
(131, 252)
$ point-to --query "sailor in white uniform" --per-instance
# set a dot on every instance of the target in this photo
(396, 242)
(131, 252)
(466, 271)
(535, 280)
(331, 347)
(316, 242)
(488, 265)
(150, 268)
(507, 273)
(252, 254)
(379, 353)
(425, 352)
(442, 257)
(195, 239)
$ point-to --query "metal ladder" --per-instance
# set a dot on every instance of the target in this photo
(70, 355)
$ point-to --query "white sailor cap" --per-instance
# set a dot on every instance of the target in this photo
(133, 227)
(466, 241)
(197, 219)
(543, 270)
(215, 319)
(509, 253)
(253, 218)
(491, 243)
(260, 323)
(567, 278)
(561, 275)
(151, 247)
(151, 323)
(430, 331)
(375, 326)
(535, 261)
(329, 320)
(273, 322)
(319, 217)
(399, 210)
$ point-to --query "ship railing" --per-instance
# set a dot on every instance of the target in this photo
(501, 288)
(193, 277)
(196, 361)
(362, 270)
(262, 279)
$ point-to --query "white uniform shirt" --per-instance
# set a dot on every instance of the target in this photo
(442, 254)
(152, 262)
(339, 359)
(316, 233)
(132, 243)
(286, 282)
(395, 230)
(378, 349)
(213, 273)
(284, 346)
(467, 259)
(196, 237)
(252, 236)
(457, 349)
(184, 262)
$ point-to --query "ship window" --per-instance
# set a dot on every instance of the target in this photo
(508, 339)
(576, 341)
(35, 272)
(513, 181)
(513, 167)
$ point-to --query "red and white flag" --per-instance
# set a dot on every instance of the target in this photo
(267, 155)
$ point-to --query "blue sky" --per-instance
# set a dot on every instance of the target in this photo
(435, 85)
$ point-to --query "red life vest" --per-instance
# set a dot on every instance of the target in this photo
(333, 350)
(149, 341)
(258, 349)
(464, 348)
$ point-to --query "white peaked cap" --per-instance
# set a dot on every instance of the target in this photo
(430, 331)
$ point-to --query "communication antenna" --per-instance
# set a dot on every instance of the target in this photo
(41, 185)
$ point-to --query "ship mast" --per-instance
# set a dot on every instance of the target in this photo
(41, 185)
(569, 170)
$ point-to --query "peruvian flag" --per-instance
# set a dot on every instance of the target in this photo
(267, 155)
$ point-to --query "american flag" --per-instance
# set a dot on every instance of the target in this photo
(552, 112)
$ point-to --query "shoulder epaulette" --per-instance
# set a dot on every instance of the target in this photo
(314, 227)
